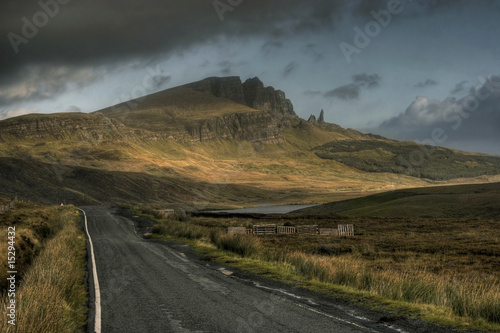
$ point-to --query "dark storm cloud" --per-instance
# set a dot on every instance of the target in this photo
(83, 34)
(353, 90)
(414, 8)
(347, 92)
(365, 7)
(426, 83)
(89, 31)
(38, 83)
(473, 120)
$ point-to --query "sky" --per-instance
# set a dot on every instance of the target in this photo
(421, 70)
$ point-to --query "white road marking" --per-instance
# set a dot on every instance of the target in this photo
(335, 318)
(97, 326)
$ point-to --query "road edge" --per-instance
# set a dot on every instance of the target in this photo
(97, 291)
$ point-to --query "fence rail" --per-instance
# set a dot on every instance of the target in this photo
(329, 231)
(307, 229)
(268, 229)
(346, 229)
(273, 229)
(285, 230)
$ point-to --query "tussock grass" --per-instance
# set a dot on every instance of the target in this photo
(34, 225)
(243, 245)
(471, 298)
(52, 296)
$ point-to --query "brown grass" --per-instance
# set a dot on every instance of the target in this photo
(52, 296)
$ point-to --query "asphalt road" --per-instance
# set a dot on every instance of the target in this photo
(148, 286)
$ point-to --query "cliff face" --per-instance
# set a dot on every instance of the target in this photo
(62, 126)
(251, 93)
(268, 99)
(253, 126)
(97, 128)
(226, 87)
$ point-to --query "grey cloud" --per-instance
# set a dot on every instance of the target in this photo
(15, 112)
(472, 120)
(347, 92)
(426, 83)
(366, 80)
(459, 87)
(37, 83)
(290, 68)
(365, 7)
(415, 8)
(353, 90)
(227, 66)
(160, 80)
(271, 46)
(311, 49)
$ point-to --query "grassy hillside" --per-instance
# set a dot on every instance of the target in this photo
(459, 201)
(409, 158)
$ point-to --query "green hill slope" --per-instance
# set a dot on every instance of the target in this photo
(459, 201)
(422, 161)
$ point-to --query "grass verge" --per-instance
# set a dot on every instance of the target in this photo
(52, 295)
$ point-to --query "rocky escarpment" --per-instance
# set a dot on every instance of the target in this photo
(252, 126)
(62, 126)
(251, 93)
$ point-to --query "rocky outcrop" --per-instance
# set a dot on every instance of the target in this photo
(62, 126)
(251, 93)
(252, 126)
(312, 119)
(227, 87)
(321, 118)
(267, 99)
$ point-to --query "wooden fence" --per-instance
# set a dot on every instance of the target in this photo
(346, 229)
(272, 229)
(285, 230)
(268, 229)
(329, 231)
(307, 229)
